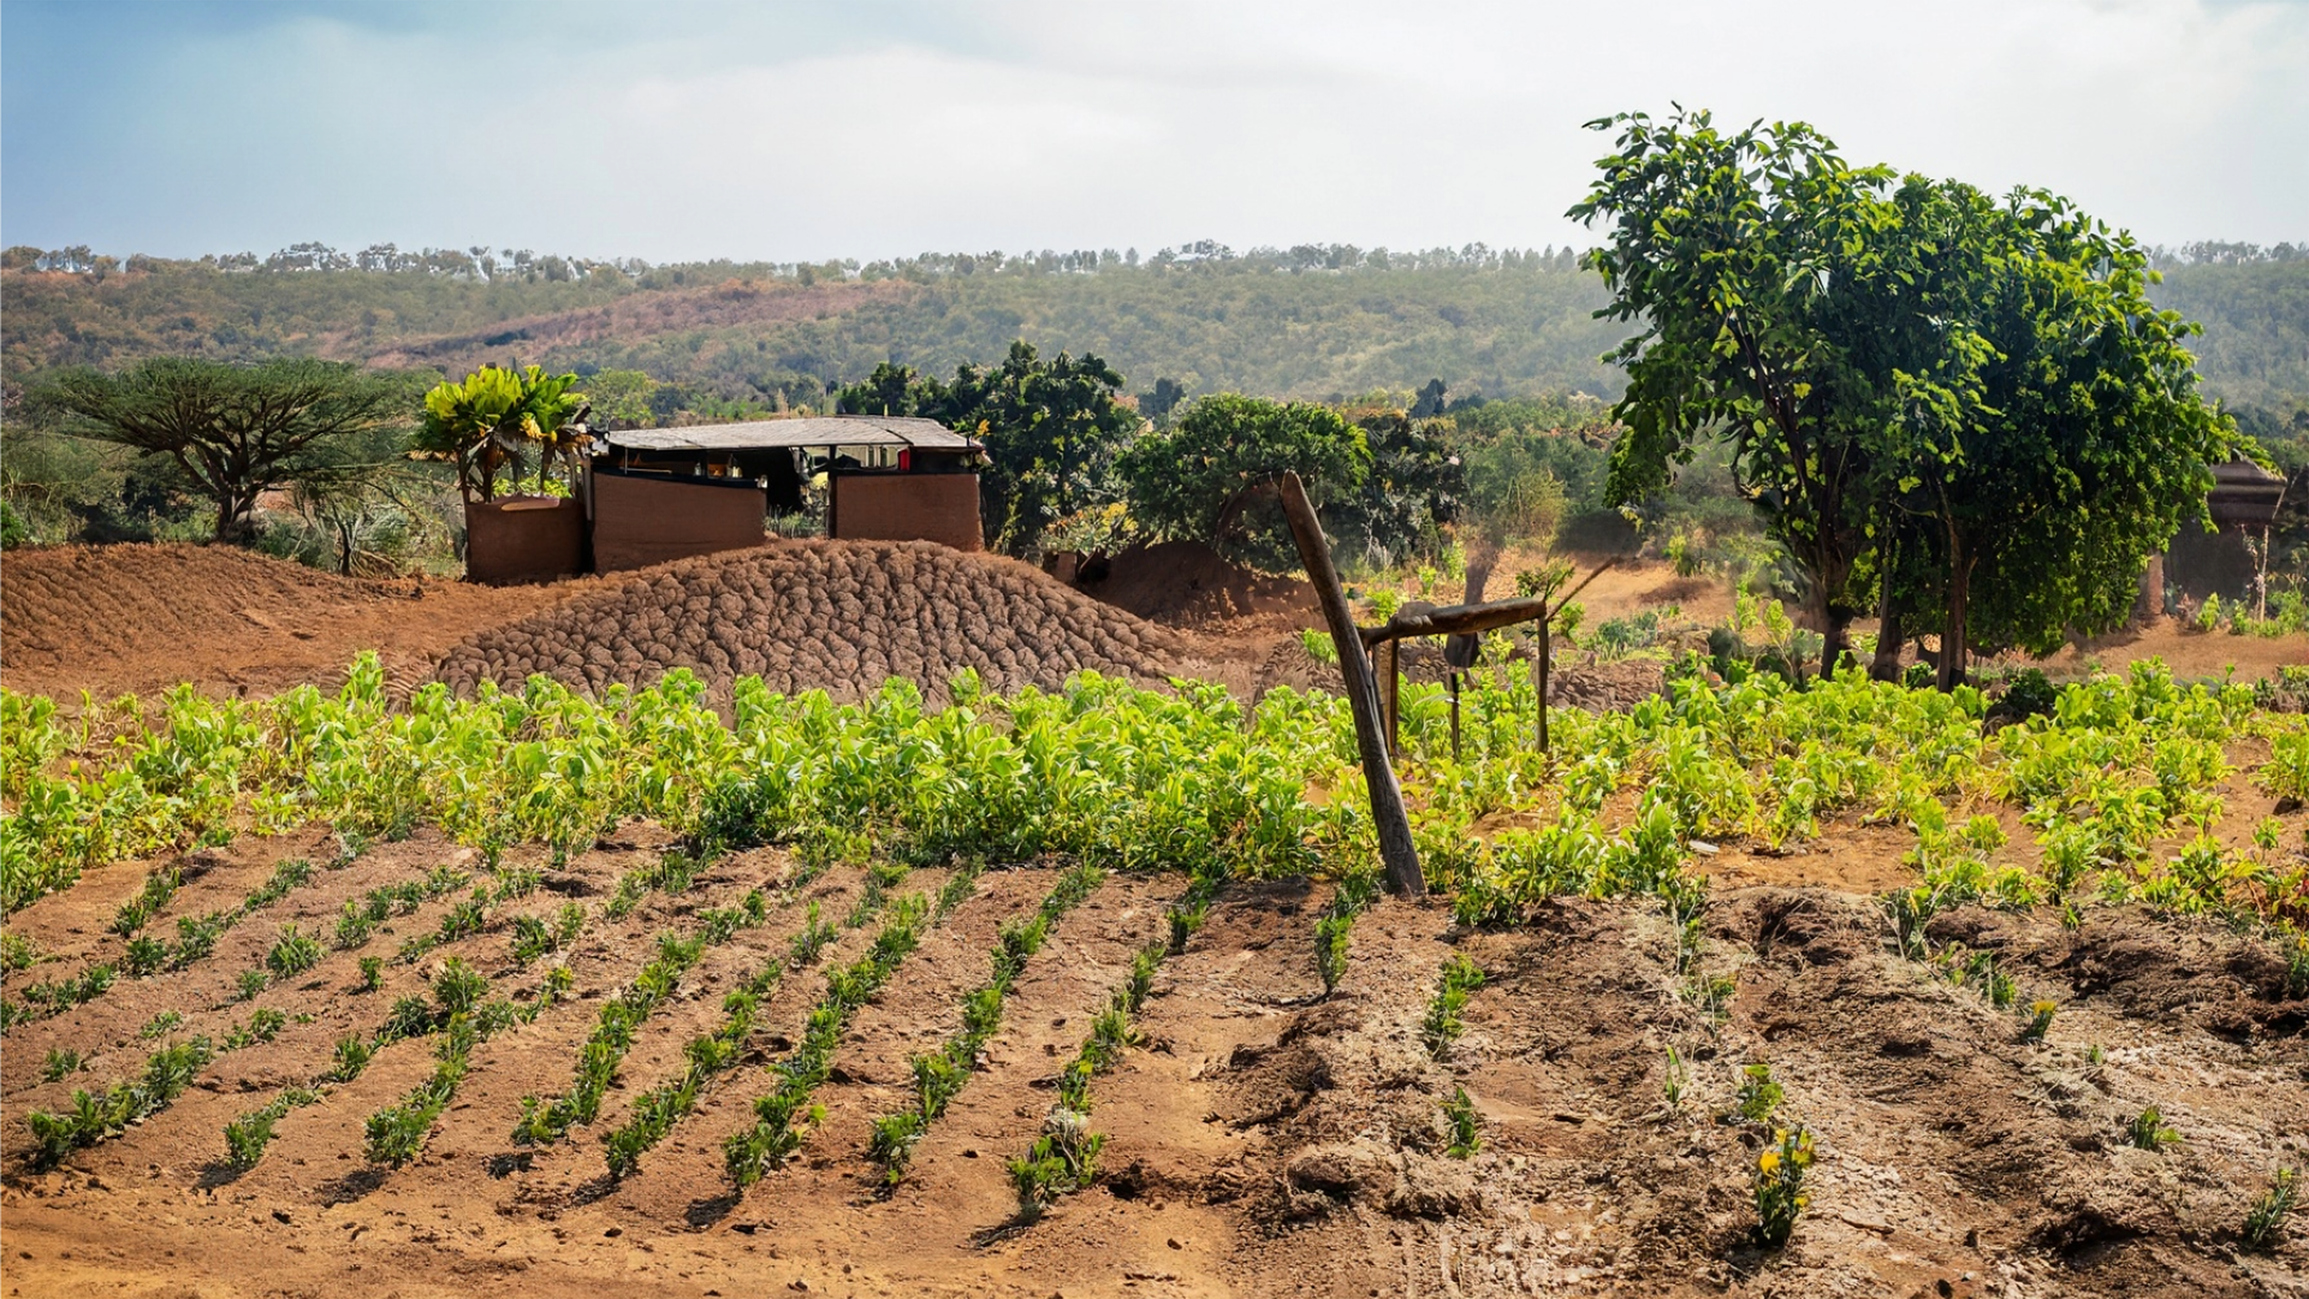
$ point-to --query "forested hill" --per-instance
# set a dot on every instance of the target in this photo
(1308, 322)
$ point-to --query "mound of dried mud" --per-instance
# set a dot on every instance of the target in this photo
(1187, 584)
(832, 615)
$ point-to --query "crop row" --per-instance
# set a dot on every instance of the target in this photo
(715, 1052)
(144, 955)
(940, 1075)
(1064, 1157)
(100, 1116)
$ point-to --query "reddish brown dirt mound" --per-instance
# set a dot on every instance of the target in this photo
(838, 616)
(110, 619)
(1187, 584)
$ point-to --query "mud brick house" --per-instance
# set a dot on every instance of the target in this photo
(652, 495)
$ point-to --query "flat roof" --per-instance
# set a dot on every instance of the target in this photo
(812, 431)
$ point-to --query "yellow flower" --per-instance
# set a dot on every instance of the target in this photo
(1768, 1162)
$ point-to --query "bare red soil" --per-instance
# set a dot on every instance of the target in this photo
(1263, 1139)
(116, 619)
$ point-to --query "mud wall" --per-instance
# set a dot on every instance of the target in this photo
(907, 507)
(523, 539)
(640, 521)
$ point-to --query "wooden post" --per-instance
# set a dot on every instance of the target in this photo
(1543, 666)
(1396, 851)
(1455, 716)
(1391, 700)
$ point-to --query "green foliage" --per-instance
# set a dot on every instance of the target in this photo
(60, 1062)
(2265, 1221)
(1675, 1079)
(2149, 1131)
(1442, 1027)
(247, 1136)
(292, 954)
(1051, 429)
(1759, 1095)
(1415, 487)
(233, 431)
(97, 1117)
(1779, 1185)
(1900, 367)
(1183, 481)
(1064, 1158)
(1465, 1124)
(495, 419)
(1747, 260)
(159, 886)
(1355, 892)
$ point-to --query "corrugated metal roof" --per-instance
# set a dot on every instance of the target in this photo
(815, 431)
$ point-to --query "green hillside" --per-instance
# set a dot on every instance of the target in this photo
(1309, 322)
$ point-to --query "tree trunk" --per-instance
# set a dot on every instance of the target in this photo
(1836, 638)
(1953, 646)
(1886, 666)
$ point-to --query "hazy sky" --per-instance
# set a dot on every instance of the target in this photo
(679, 130)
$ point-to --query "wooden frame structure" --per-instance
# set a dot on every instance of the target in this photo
(1374, 707)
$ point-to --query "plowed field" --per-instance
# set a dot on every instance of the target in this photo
(1262, 1138)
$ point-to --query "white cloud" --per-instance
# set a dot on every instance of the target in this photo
(1109, 125)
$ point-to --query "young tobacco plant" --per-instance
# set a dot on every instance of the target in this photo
(1356, 891)
(1464, 1123)
(1779, 1184)
(1443, 1025)
(2265, 1221)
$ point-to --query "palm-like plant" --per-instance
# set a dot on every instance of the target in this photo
(496, 418)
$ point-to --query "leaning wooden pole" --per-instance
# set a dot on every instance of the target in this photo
(1396, 850)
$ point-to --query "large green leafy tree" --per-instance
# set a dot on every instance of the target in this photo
(2054, 438)
(1414, 487)
(1184, 482)
(1746, 259)
(234, 431)
(1051, 428)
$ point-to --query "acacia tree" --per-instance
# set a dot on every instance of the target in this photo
(235, 431)
(1746, 258)
(2055, 439)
